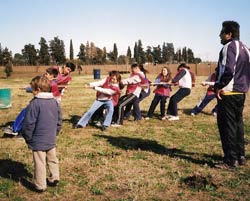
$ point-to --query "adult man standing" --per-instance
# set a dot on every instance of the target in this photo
(232, 82)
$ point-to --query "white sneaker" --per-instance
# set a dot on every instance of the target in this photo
(147, 118)
(8, 130)
(192, 114)
(214, 113)
(173, 118)
(163, 118)
(169, 116)
(115, 125)
(98, 123)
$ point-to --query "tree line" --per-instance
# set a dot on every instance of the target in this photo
(53, 52)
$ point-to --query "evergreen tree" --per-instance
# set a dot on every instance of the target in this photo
(30, 54)
(184, 54)
(57, 50)
(164, 53)
(82, 53)
(115, 52)
(129, 55)
(71, 50)
(157, 54)
(18, 60)
(44, 57)
(149, 55)
(136, 52)
(141, 53)
(170, 52)
(190, 56)
(1, 55)
(7, 56)
(104, 55)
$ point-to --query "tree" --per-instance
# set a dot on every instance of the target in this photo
(121, 59)
(7, 56)
(164, 53)
(104, 55)
(57, 50)
(184, 54)
(8, 69)
(141, 53)
(136, 52)
(1, 55)
(157, 54)
(170, 52)
(129, 55)
(44, 57)
(113, 55)
(18, 59)
(149, 55)
(115, 51)
(30, 54)
(82, 53)
(190, 56)
(71, 51)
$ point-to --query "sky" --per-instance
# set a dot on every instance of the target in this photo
(194, 24)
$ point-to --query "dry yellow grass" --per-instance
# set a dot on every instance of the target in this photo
(148, 160)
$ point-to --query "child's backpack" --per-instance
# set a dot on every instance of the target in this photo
(18, 123)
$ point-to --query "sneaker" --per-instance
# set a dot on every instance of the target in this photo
(192, 114)
(147, 118)
(103, 128)
(98, 123)
(227, 166)
(78, 126)
(9, 131)
(173, 118)
(115, 125)
(242, 160)
(52, 183)
(163, 118)
(169, 116)
(214, 114)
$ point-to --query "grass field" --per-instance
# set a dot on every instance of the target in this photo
(147, 160)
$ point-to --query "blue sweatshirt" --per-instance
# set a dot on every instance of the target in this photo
(42, 122)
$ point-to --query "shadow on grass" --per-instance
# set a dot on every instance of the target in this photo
(10, 123)
(127, 143)
(14, 170)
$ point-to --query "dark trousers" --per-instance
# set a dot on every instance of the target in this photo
(175, 99)
(136, 106)
(230, 124)
(119, 109)
(198, 108)
(157, 98)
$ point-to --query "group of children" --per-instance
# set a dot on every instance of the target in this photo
(137, 88)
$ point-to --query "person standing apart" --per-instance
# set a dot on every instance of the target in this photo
(42, 123)
(232, 82)
(184, 79)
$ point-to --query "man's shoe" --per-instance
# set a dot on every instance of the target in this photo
(52, 184)
(104, 128)
(242, 160)
(227, 166)
(78, 126)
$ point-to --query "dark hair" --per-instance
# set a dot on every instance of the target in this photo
(40, 83)
(118, 77)
(183, 65)
(143, 69)
(71, 66)
(134, 65)
(231, 27)
(52, 71)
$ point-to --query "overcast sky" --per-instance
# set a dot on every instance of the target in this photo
(185, 23)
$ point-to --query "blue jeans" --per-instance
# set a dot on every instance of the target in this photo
(96, 105)
(198, 108)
